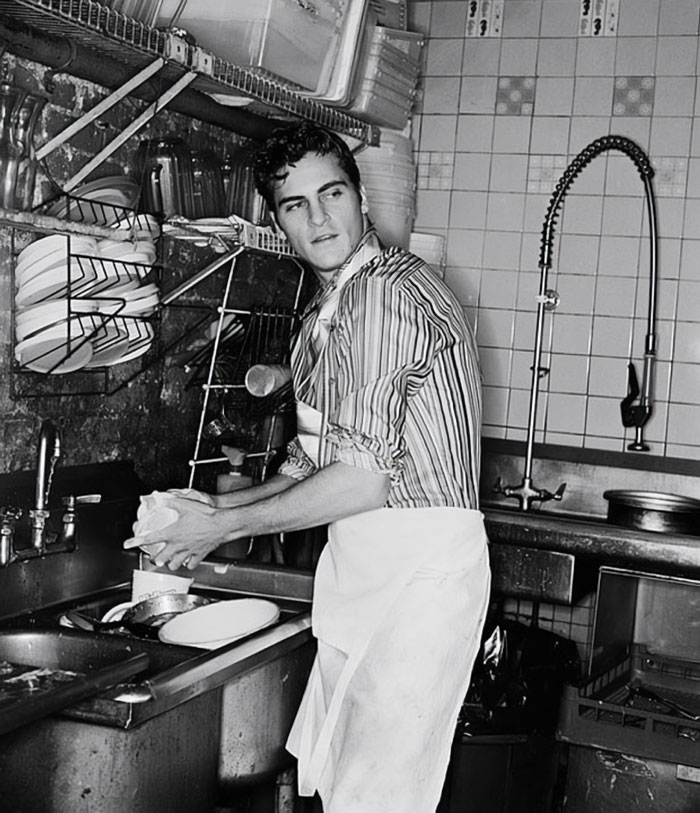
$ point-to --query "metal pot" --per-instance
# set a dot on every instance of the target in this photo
(155, 611)
(654, 511)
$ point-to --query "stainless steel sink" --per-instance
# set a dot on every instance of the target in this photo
(208, 720)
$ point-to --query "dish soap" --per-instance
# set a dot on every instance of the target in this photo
(233, 479)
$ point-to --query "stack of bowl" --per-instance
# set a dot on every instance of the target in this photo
(388, 174)
(431, 248)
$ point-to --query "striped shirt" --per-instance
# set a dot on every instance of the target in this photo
(397, 383)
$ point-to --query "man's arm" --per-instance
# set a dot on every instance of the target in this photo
(333, 493)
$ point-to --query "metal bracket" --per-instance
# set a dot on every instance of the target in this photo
(128, 131)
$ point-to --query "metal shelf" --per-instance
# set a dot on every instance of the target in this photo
(136, 45)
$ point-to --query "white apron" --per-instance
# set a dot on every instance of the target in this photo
(400, 597)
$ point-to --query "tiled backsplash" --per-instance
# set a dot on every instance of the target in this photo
(501, 117)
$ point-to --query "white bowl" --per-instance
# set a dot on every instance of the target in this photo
(116, 613)
(220, 623)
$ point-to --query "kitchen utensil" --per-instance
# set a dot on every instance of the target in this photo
(79, 620)
(56, 697)
(634, 690)
(654, 511)
(208, 186)
(156, 611)
(220, 623)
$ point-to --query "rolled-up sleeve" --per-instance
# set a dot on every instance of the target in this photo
(380, 349)
(297, 464)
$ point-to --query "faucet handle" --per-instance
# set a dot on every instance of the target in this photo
(71, 501)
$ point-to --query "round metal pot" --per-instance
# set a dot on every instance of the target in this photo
(155, 611)
(654, 511)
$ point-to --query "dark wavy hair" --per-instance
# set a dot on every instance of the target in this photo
(289, 144)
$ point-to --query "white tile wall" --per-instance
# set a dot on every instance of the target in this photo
(500, 120)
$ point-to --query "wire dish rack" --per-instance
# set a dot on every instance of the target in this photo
(132, 43)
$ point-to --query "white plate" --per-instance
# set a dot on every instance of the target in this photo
(55, 247)
(220, 623)
(49, 313)
(110, 340)
(140, 340)
(50, 347)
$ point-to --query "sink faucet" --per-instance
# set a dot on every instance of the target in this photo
(42, 543)
(49, 453)
(633, 414)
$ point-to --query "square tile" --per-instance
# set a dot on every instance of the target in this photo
(639, 18)
(446, 18)
(465, 282)
(635, 56)
(495, 327)
(495, 366)
(603, 372)
(680, 418)
(544, 171)
(438, 133)
(578, 254)
(576, 292)
(501, 253)
(495, 406)
(571, 334)
(622, 216)
(556, 57)
(688, 301)
(603, 414)
(550, 134)
(554, 96)
(508, 173)
(484, 18)
(471, 171)
(685, 387)
(595, 56)
(687, 342)
(518, 57)
(481, 57)
(583, 214)
(441, 94)
(559, 19)
(444, 57)
(670, 136)
(478, 94)
(521, 19)
(467, 210)
(614, 297)
(593, 96)
(432, 208)
(568, 375)
(464, 248)
(673, 176)
(511, 134)
(674, 96)
(676, 56)
(515, 95)
(690, 260)
(505, 211)
(566, 413)
(598, 19)
(633, 96)
(679, 17)
(475, 133)
(619, 256)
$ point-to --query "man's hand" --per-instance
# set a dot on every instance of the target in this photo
(193, 535)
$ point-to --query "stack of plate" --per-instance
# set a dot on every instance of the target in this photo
(389, 177)
(431, 248)
(81, 303)
(101, 202)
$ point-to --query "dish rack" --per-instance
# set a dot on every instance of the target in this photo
(73, 328)
(242, 338)
(630, 708)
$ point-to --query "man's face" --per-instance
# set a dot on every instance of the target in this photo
(319, 210)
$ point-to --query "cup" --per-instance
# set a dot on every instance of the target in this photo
(150, 583)
(264, 379)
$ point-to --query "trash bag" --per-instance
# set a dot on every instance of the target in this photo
(518, 679)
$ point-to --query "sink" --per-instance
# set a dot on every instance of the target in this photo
(231, 706)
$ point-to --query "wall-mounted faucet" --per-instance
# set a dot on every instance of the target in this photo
(48, 456)
(633, 414)
(42, 542)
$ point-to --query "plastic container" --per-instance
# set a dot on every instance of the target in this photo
(298, 41)
(233, 479)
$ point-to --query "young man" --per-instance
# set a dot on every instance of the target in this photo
(387, 453)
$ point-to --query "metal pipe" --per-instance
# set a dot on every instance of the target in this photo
(526, 493)
(49, 452)
(66, 56)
